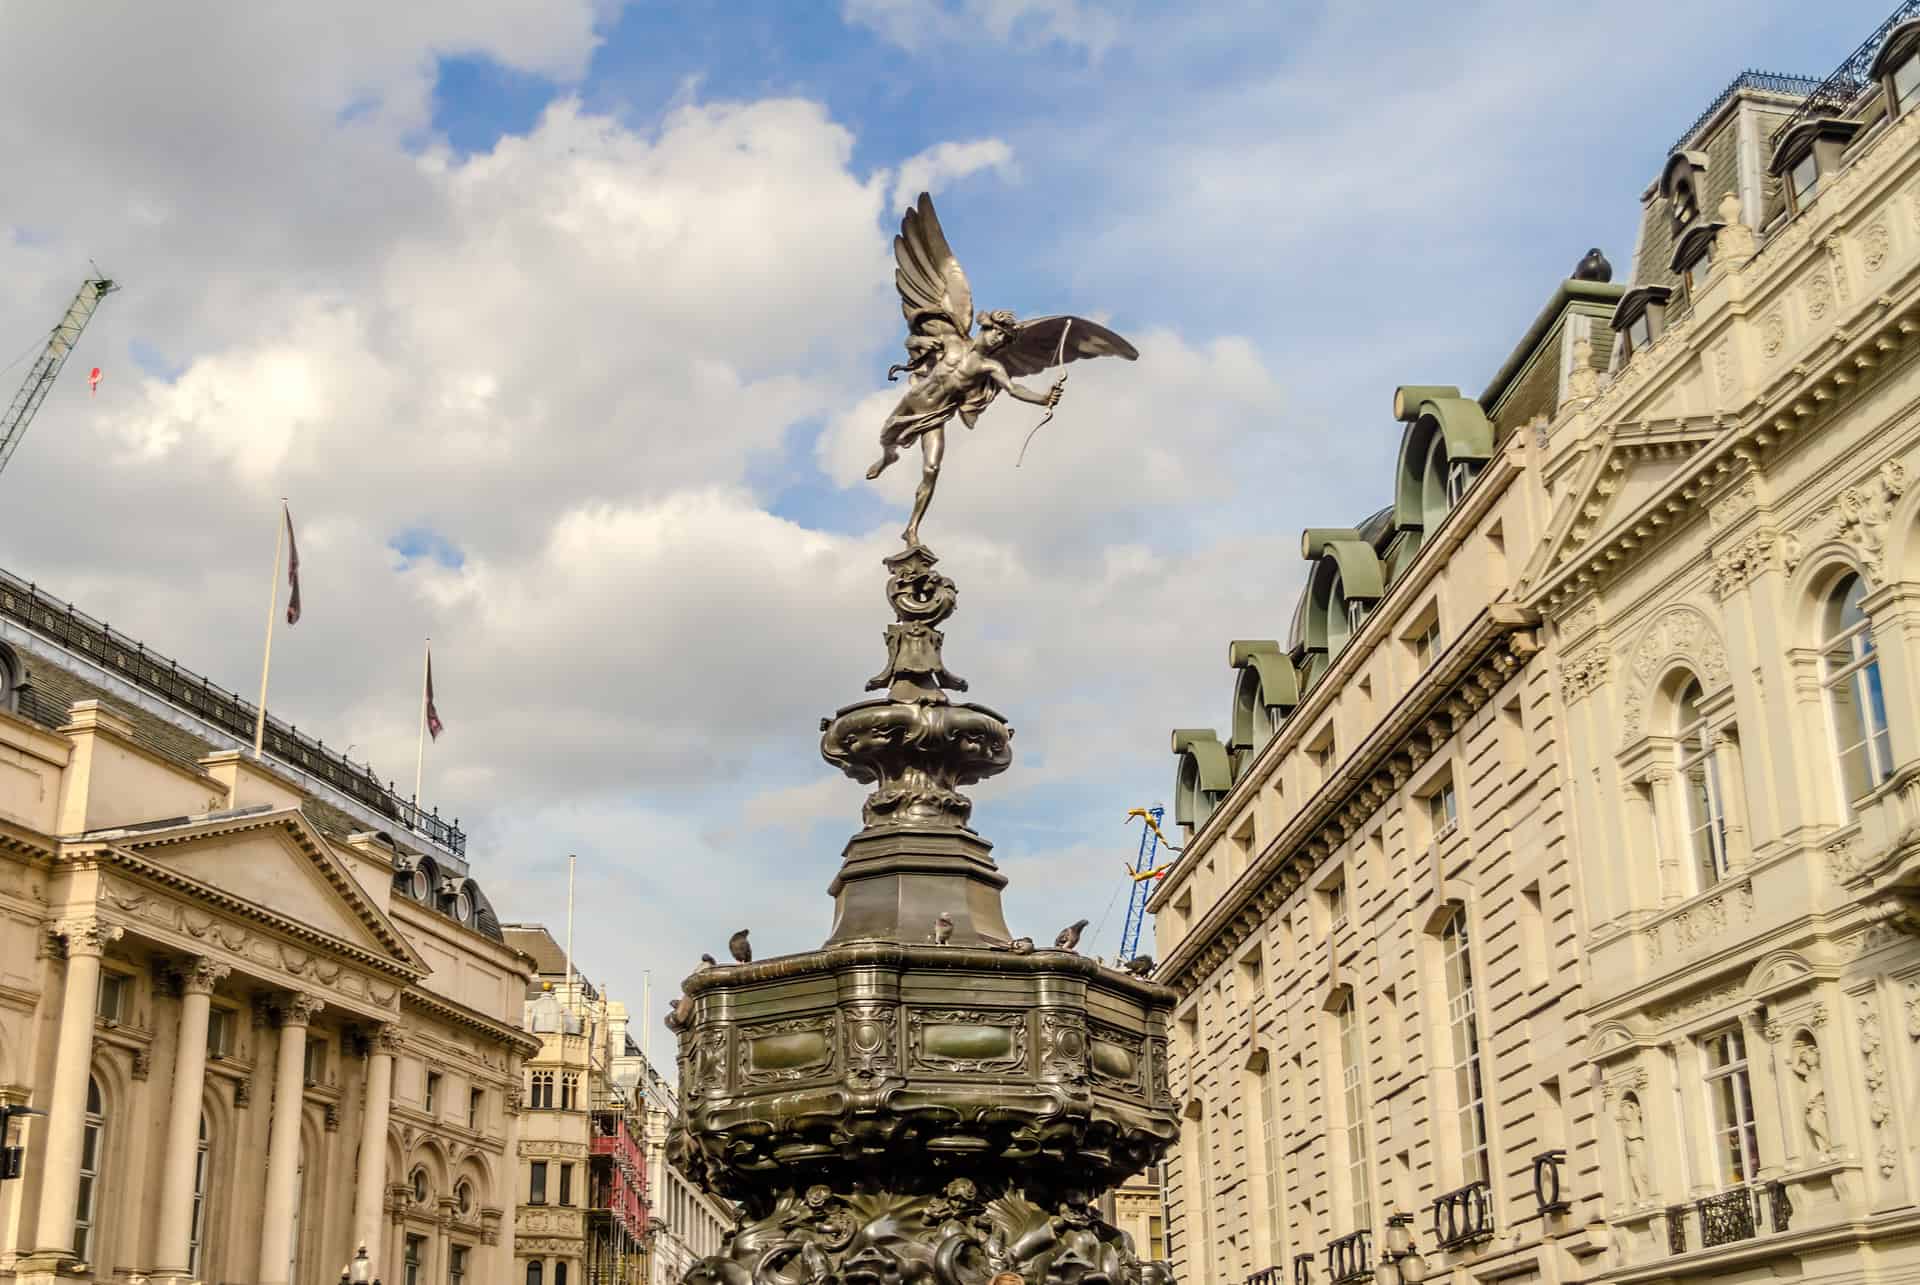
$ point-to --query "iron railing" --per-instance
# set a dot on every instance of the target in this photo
(208, 701)
(1850, 79)
(1303, 1268)
(1350, 1258)
(1463, 1216)
(1736, 1214)
(1546, 1182)
(1771, 82)
(1274, 1275)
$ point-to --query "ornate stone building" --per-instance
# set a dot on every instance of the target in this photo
(1547, 907)
(266, 1011)
(584, 1215)
(688, 1222)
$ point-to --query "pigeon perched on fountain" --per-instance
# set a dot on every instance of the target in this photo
(740, 948)
(943, 929)
(706, 962)
(1139, 965)
(1069, 938)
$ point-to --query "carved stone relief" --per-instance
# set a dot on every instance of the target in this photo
(1879, 1102)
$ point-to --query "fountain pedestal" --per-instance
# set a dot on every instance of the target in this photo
(925, 1098)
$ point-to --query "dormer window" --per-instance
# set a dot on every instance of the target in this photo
(1694, 253)
(1805, 152)
(1460, 475)
(1680, 184)
(1640, 317)
(1686, 206)
(1897, 67)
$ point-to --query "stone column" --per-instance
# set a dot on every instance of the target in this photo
(369, 1198)
(1668, 823)
(67, 1104)
(1731, 770)
(183, 1119)
(1763, 1076)
(283, 1156)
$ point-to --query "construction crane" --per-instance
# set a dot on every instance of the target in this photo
(1144, 875)
(13, 425)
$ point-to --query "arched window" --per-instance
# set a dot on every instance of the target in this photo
(1855, 701)
(93, 1154)
(1706, 813)
(197, 1234)
(419, 1181)
(1463, 1025)
(543, 1090)
(569, 1101)
(559, 1273)
(535, 1271)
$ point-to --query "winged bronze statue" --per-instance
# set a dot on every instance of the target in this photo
(954, 371)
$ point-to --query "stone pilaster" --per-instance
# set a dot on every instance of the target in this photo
(371, 1181)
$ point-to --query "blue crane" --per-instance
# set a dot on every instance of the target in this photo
(1144, 875)
(13, 424)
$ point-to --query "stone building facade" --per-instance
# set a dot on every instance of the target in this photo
(585, 1210)
(266, 1010)
(1546, 907)
(688, 1222)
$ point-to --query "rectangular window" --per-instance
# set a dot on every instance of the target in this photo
(433, 1091)
(90, 1145)
(416, 1252)
(456, 1265)
(1156, 1237)
(1443, 811)
(476, 1099)
(1270, 1149)
(1906, 84)
(1335, 895)
(219, 1032)
(116, 993)
(1803, 180)
(1353, 1103)
(1426, 645)
(1639, 333)
(316, 1060)
(537, 1184)
(1736, 1143)
(566, 1184)
(1463, 1024)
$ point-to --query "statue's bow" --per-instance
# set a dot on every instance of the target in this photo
(1060, 360)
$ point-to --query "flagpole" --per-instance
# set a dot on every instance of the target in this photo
(570, 861)
(420, 757)
(273, 602)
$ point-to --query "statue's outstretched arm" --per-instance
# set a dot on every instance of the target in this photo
(1035, 397)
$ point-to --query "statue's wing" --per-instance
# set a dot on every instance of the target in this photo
(933, 287)
(1036, 344)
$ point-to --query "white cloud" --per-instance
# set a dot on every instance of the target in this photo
(944, 163)
(917, 25)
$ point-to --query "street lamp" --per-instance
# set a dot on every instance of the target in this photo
(359, 1271)
(1400, 1262)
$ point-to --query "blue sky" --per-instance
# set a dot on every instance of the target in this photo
(564, 324)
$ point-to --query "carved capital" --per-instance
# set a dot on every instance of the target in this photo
(386, 1040)
(298, 1009)
(202, 975)
(87, 936)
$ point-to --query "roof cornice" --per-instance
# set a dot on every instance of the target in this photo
(471, 1018)
(1492, 649)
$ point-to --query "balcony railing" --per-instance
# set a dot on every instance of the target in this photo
(1850, 79)
(1350, 1258)
(1274, 1275)
(1727, 1217)
(208, 701)
(1303, 1269)
(1464, 1216)
(1768, 81)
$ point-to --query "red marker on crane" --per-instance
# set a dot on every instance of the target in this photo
(93, 381)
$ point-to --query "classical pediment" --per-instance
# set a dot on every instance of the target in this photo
(1614, 488)
(273, 864)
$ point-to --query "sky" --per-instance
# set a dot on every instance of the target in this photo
(563, 324)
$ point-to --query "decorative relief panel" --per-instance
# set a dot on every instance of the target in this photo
(969, 1040)
(799, 1048)
(710, 1061)
(1063, 1046)
(1157, 1060)
(870, 1032)
(1875, 243)
(1698, 926)
(1773, 334)
(1118, 1059)
(1680, 634)
(1873, 1057)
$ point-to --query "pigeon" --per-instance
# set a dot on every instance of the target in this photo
(943, 929)
(741, 948)
(1021, 945)
(1070, 935)
(706, 962)
(1594, 267)
(1139, 965)
(679, 1013)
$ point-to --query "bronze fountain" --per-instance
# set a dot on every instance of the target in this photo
(926, 1098)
